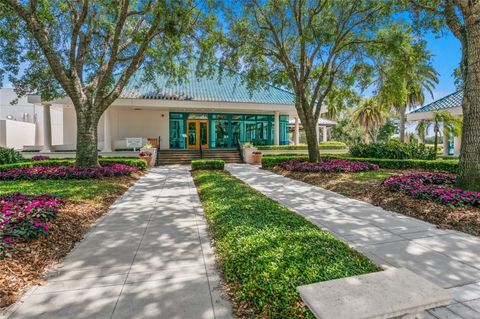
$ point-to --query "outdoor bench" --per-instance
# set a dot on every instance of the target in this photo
(393, 293)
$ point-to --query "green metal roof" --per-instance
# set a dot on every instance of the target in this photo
(446, 102)
(230, 87)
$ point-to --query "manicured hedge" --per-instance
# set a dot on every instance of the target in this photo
(208, 164)
(393, 150)
(450, 166)
(266, 251)
(137, 162)
(330, 145)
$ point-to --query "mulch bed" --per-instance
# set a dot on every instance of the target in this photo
(465, 219)
(31, 260)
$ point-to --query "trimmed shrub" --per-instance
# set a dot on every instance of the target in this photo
(329, 145)
(141, 164)
(24, 217)
(207, 164)
(9, 156)
(436, 186)
(266, 251)
(449, 166)
(66, 172)
(393, 150)
(328, 166)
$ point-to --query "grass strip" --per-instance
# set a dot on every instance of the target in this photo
(266, 251)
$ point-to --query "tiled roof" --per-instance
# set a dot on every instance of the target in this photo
(446, 102)
(228, 88)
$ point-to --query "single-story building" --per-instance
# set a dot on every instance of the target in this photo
(451, 103)
(211, 113)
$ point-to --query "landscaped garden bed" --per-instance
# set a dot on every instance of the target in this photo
(424, 195)
(43, 219)
(265, 251)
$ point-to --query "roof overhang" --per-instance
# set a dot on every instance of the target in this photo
(417, 116)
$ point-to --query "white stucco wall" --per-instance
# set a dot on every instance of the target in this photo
(124, 122)
(16, 134)
(23, 111)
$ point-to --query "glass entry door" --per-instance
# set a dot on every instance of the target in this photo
(197, 134)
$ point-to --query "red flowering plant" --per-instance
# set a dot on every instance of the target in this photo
(66, 172)
(434, 186)
(25, 217)
(328, 166)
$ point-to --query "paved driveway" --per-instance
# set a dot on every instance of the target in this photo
(149, 257)
(448, 258)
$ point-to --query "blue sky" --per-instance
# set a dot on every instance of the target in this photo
(446, 52)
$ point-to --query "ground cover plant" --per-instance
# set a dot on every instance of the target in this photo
(329, 165)
(265, 251)
(25, 217)
(85, 201)
(437, 187)
(66, 172)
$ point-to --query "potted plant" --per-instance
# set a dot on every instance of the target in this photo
(256, 158)
(146, 155)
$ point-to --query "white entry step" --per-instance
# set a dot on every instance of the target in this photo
(393, 293)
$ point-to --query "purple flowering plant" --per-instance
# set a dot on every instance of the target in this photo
(328, 166)
(25, 217)
(66, 172)
(434, 186)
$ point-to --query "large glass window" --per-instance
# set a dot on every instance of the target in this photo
(220, 134)
(284, 136)
(177, 129)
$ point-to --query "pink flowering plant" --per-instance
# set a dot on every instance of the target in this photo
(66, 172)
(433, 186)
(328, 166)
(145, 154)
(24, 217)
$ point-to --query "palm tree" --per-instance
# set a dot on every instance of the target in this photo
(370, 115)
(421, 129)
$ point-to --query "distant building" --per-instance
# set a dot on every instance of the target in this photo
(451, 103)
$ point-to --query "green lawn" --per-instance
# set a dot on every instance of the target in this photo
(68, 189)
(266, 251)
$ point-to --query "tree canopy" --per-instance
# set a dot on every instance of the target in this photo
(89, 49)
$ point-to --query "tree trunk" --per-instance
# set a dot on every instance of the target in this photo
(312, 140)
(87, 138)
(367, 140)
(435, 143)
(469, 166)
(401, 129)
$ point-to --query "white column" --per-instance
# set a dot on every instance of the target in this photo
(107, 137)
(457, 144)
(276, 130)
(297, 131)
(47, 129)
(324, 132)
(317, 128)
(445, 141)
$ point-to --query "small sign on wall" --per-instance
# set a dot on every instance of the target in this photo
(134, 142)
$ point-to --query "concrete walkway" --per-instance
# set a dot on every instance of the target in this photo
(448, 258)
(149, 257)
